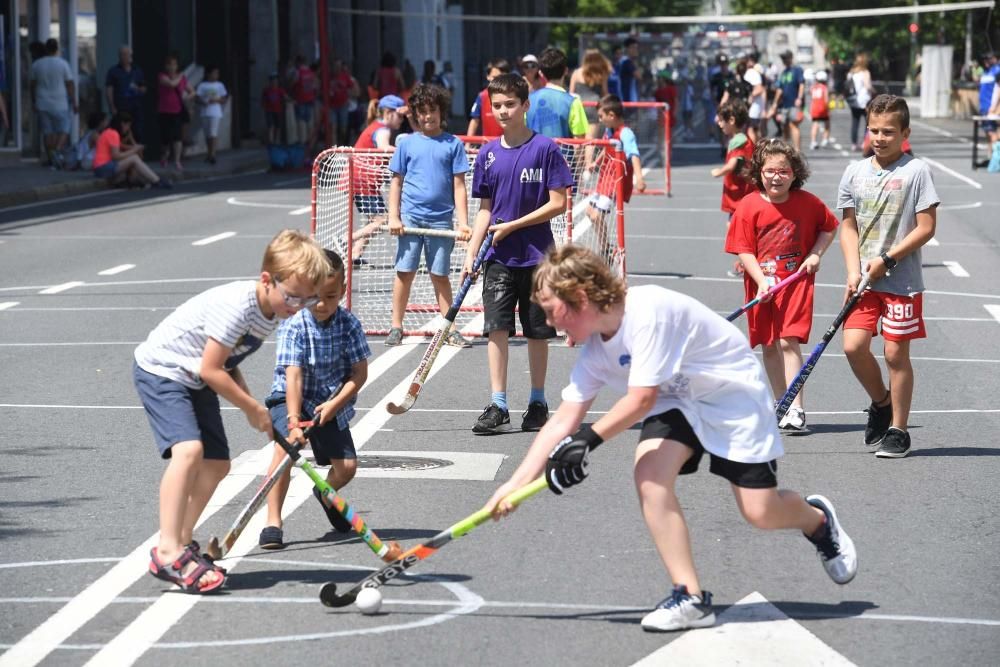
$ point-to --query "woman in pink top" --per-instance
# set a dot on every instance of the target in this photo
(117, 165)
(174, 90)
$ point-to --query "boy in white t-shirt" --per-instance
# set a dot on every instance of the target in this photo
(693, 380)
(212, 96)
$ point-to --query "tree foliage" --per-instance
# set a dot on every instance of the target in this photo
(886, 39)
(564, 35)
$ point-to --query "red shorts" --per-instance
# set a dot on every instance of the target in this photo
(788, 315)
(902, 317)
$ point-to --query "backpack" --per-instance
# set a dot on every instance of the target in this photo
(850, 92)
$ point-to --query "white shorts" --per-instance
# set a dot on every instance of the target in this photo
(211, 126)
(602, 203)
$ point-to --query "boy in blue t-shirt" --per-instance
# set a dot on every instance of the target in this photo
(428, 176)
(789, 99)
(322, 363)
(520, 178)
(553, 111)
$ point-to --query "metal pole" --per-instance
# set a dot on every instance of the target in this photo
(910, 88)
(324, 69)
(968, 37)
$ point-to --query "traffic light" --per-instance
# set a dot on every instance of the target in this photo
(914, 28)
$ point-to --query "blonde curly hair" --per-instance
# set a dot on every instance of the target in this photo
(567, 270)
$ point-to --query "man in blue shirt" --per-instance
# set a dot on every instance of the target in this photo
(788, 100)
(987, 93)
(124, 87)
(627, 73)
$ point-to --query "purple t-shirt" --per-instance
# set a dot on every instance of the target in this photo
(517, 181)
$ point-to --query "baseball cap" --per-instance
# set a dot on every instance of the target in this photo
(530, 58)
(393, 102)
(722, 58)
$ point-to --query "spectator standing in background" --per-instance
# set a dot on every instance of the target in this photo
(305, 86)
(532, 73)
(343, 87)
(590, 83)
(481, 118)
(614, 79)
(628, 74)
(212, 95)
(858, 91)
(273, 99)
(124, 87)
(387, 79)
(53, 93)
(174, 90)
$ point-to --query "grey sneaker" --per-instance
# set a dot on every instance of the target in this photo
(493, 420)
(895, 444)
(680, 611)
(535, 416)
(835, 548)
(395, 337)
(456, 339)
(879, 420)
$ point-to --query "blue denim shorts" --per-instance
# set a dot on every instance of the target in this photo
(328, 441)
(178, 414)
(304, 112)
(53, 122)
(106, 170)
(436, 250)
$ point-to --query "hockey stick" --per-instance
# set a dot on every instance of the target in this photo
(386, 551)
(424, 369)
(439, 233)
(328, 593)
(796, 386)
(217, 550)
(774, 290)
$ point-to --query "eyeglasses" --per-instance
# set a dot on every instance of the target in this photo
(777, 173)
(293, 301)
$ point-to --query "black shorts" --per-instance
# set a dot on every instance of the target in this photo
(505, 288)
(170, 128)
(329, 442)
(672, 425)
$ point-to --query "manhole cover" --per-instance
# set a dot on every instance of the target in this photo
(401, 462)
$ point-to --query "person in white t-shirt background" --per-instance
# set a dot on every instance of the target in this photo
(757, 103)
(53, 96)
(692, 380)
(212, 95)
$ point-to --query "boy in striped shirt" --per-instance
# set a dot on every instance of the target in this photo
(181, 369)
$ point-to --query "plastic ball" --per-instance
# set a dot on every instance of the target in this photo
(369, 601)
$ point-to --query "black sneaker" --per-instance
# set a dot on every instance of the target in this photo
(493, 420)
(879, 420)
(336, 519)
(271, 538)
(895, 445)
(535, 416)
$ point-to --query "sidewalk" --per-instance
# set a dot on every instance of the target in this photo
(23, 181)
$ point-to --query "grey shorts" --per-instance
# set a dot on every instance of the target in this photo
(178, 414)
(53, 122)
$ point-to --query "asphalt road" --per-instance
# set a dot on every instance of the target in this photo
(564, 581)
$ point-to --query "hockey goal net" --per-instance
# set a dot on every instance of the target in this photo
(650, 121)
(350, 189)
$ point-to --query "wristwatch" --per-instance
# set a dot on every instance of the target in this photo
(889, 262)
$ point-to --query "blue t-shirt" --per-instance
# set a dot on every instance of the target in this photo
(121, 80)
(789, 82)
(517, 181)
(427, 165)
(548, 112)
(626, 76)
(986, 84)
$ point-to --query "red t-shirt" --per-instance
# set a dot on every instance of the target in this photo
(304, 88)
(779, 236)
(370, 169)
(488, 125)
(668, 93)
(102, 152)
(734, 186)
(340, 88)
(819, 108)
(273, 99)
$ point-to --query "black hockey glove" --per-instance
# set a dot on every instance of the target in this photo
(568, 463)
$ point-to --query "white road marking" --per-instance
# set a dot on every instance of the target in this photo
(119, 283)
(752, 627)
(236, 202)
(933, 241)
(993, 310)
(956, 269)
(938, 130)
(948, 170)
(55, 289)
(301, 211)
(121, 268)
(213, 239)
(960, 207)
(4, 305)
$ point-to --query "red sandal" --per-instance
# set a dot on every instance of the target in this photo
(191, 582)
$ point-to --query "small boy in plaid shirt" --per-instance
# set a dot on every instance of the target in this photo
(322, 362)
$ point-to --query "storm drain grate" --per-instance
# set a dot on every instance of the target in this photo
(406, 463)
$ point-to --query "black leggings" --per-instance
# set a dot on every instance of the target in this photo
(856, 116)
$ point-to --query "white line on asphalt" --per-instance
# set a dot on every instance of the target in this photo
(948, 170)
(57, 309)
(55, 289)
(676, 238)
(993, 310)
(301, 211)
(299, 179)
(121, 268)
(960, 207)
(119, 283)
(252, 204)
(956, 269)
(938, 130)
(48, 636)
(933, 241)
(87, 195)
(4, 305)
(213, 239)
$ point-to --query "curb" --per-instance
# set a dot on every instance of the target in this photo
(83, 186)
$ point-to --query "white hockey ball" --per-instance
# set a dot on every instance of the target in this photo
(369, 601)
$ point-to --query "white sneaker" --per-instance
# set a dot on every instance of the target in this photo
(836, 549)
(794, 422)
(680, 611)
(813, 145)
(824, 143)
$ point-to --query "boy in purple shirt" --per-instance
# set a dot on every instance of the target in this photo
(520, 178)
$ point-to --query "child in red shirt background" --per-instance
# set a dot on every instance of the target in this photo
(819, 110)
(272, 99)
(732, 118)
(778, 231)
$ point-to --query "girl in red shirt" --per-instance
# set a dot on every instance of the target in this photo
(819, 110)
(777, 231)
